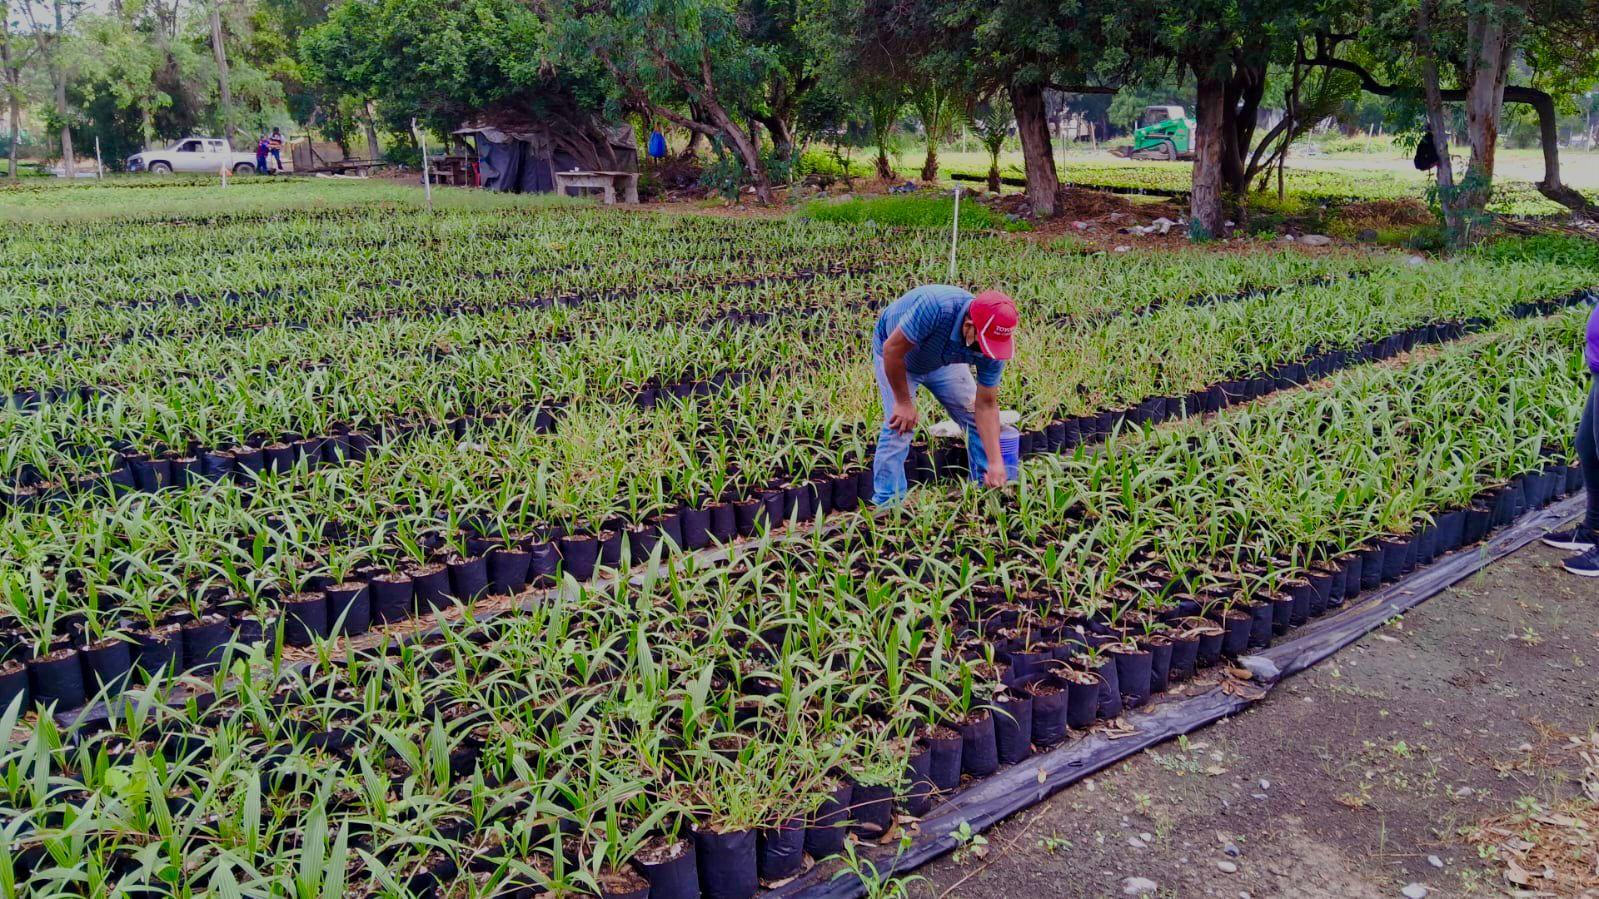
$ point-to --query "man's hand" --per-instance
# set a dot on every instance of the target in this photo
(904, 418)
(996, 476)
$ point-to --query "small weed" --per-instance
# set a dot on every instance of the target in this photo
(970, 844)
(1054, 843)
(1179, 765)
(1163, 828)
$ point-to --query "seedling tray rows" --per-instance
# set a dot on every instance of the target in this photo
(628, 633)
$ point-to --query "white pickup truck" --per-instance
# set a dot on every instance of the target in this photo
(193, 154)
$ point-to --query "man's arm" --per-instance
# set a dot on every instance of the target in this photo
(903, 418)
(986, 411)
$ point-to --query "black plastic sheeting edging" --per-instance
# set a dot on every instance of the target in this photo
(993, 799)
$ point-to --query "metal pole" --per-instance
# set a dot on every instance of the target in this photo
(427, 175)
(99, 166)
(955, 234)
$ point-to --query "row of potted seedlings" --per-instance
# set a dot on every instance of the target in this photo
(1001, 688)
(181, 324)
(695, 526)
(30, 478)
(677, 349)
(503, 565)
(1044, 677)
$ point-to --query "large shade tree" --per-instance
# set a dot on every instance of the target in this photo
(1229, 49)
(441, 63)
(694, 63)
(1479, 53)
(1023, 48)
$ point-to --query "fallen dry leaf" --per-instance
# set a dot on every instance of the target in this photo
(1116, 730)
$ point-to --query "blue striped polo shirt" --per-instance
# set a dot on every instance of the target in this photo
(931, 317)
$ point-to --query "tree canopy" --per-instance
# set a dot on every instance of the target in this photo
(755, 80)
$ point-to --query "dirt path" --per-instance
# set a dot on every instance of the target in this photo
(1357, 779)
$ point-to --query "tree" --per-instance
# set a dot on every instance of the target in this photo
(50, 36)
(882, 100)
(1025, 48)
(219, 48)
(991, 121)
(12, 59)
(661, 54)
(1473, 43)
(346, 57)
(121, 86)
(937, 101)
(777, 28)
(444, 62)
(864, 55)
(1229, 47)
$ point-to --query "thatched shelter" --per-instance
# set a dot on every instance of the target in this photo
(517, 153)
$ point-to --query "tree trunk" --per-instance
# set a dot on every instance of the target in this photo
(1038, 158)
(1206, 218)
(930, 163)
(1453, 221)
(747, 151)
(13, 89)
(696, 143)
(782, 135)
(15, 116)
(1240, 108)
(220, 50)
(1489, 41)
(696, 138)
(1549, 134)
(993, 172)
(370, 121)
(69, 161)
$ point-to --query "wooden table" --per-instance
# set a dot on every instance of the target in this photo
(459, 171)
(605, 181)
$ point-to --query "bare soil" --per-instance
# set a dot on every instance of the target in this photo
(1353, 778)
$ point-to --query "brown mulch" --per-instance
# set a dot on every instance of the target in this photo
(1096, 218)
(1377, 214)
(1550, 851)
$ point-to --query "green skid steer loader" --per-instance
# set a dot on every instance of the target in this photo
(1164, 132)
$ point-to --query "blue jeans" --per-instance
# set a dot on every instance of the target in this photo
(260, 164)
(956, 390)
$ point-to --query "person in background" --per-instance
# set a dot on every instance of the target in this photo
(275, 144)
(261, 150)
(1584, 538)
(934, 336)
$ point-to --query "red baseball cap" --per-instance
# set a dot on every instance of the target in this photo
(994, 316)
